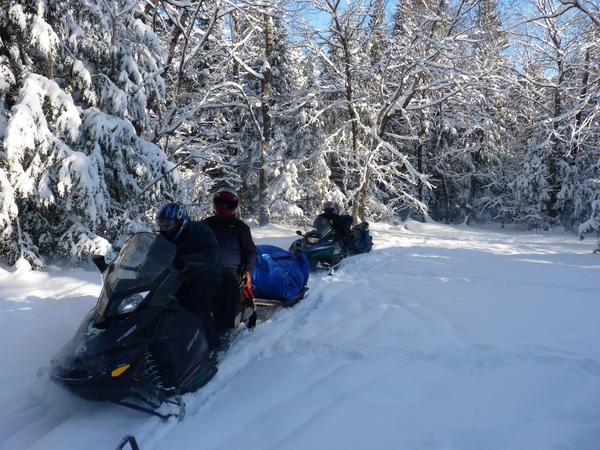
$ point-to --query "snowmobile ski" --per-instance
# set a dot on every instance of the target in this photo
(151, 408)
(129, 439)
(333, 268)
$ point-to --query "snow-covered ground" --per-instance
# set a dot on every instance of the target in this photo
(441, 338)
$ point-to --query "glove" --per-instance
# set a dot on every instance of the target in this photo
(245, 280)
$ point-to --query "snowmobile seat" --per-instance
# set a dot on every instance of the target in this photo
(347, 220)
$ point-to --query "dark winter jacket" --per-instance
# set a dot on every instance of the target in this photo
(235, 240)
(339, 225)
(198, 244)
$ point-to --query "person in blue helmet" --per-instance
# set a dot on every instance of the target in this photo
(198, 252)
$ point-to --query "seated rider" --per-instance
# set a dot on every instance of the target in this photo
(198, 250)
(331, 216)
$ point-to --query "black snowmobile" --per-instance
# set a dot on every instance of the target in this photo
(322, 245)
(138, 347)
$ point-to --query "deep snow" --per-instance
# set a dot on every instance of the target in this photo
(441, 338)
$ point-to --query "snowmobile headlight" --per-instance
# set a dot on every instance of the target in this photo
(131, 303)
(312, 240)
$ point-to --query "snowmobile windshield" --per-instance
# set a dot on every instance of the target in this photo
(322, 226)
(143, 258)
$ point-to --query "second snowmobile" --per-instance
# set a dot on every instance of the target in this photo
(138, 347)
(323, 247)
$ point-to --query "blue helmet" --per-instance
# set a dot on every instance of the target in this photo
(171, 220)
(330, 207)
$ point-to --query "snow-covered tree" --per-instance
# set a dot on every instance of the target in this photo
(79, 81)
(556, 180)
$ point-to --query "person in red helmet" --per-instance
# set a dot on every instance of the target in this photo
(238, 255)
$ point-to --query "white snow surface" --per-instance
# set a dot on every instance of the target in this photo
(441, 338)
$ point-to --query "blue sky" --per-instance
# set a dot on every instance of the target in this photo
(321, 20)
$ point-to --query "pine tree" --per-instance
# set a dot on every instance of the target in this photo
(79, 84)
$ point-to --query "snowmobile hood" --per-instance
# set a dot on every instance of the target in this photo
(98, 362)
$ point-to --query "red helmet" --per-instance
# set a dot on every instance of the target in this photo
(225, 202)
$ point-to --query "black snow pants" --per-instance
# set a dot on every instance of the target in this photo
(198, 297)
(227, 302)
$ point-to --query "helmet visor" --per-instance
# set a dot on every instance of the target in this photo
(329, 207)
(166, 225)
(226, 203)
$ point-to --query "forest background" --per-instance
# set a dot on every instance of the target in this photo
(471, 111)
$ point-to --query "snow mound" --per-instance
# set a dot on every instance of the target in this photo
(22, 265)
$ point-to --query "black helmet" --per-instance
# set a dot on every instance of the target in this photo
(171, 220)
(225, 202)
(330, 207)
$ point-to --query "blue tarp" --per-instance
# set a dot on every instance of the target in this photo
(278, 274)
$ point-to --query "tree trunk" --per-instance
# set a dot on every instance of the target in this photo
(554, 155)
(446, 197)
(420, 147)
(584, 88)
(186, 38)
(113, 42)
(177, 31)
(358, 208)
(235, 32)
(265, 98)
(358, 211)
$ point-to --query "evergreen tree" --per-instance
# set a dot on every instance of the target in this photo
(72, 161)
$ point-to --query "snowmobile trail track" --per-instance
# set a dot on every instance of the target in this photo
(246, 347)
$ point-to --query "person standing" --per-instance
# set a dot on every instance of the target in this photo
(238, 255)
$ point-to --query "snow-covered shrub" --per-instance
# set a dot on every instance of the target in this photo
(593, 223)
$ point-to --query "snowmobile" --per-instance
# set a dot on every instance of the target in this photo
(138, 347)
(323, 246)
(326, 249)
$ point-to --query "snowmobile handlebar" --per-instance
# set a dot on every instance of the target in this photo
(193, 265)
(185, 265)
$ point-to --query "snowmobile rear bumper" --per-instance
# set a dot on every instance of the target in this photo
(265, 302)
